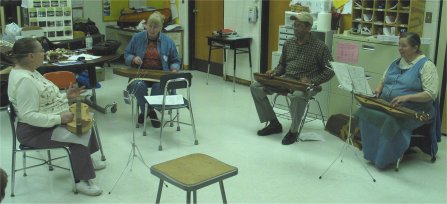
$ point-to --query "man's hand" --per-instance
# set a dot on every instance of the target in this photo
(305, 80)
(270, 73)
(66, 117)
(137, 60)
(74, 91)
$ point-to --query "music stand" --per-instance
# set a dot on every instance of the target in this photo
(352, 79)
(129, 98)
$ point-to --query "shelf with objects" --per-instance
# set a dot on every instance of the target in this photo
(387, 17)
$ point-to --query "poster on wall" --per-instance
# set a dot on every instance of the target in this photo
(111, 9)
(53, 16)
(106, 8)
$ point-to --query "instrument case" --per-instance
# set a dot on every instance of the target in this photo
(107, 47)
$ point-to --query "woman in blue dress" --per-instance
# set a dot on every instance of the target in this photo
(410, 81)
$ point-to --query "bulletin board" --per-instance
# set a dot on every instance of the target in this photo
(54, 17)
(112, 8)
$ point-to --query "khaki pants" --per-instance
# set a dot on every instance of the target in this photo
(264, 108)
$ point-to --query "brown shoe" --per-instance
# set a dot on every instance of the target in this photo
(272, 128)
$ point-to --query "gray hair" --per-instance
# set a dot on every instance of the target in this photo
(156, 19)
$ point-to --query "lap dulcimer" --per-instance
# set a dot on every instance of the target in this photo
(282, 84)
(382, 105)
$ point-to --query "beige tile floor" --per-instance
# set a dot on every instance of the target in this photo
(226, 125)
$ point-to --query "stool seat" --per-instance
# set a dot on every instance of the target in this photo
(193, 172)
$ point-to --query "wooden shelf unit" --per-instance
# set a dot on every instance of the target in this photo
(387, 17)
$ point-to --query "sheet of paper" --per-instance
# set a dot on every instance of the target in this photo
(311, 136)
(351, 77)
(347, 53)
(358, 77)
(86, 56)
(342, 74)
(170, 100)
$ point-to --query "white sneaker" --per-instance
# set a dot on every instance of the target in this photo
(98, 164)
(88, 188)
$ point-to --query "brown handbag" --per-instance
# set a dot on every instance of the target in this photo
(338, 125)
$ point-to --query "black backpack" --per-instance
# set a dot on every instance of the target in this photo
(86, 27)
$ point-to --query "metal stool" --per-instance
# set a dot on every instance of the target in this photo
(193, 172)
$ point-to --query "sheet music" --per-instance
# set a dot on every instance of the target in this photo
(170, 100)
(351, 77)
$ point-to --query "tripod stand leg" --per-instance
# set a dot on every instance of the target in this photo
(364, 166)
(133, 150)
(332, 163)
(127, 165)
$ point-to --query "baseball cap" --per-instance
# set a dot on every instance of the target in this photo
(303, 17)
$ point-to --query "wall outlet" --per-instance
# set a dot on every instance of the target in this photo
(428, 17)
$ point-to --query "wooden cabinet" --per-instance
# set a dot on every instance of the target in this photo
(373, 55)
(124, 36)
(387, 17)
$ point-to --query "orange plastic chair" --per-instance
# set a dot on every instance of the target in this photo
(61, 79)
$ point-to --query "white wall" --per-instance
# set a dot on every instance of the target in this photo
(93, 10)
(236, 18)
(431, 29)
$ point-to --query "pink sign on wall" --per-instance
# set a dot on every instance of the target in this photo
(347, 53)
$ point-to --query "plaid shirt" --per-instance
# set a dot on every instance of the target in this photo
(307, 60)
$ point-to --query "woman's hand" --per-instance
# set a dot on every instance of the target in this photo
(378, 90)
(74, 91)
(66, 117)
(397, 101)
(137, 60)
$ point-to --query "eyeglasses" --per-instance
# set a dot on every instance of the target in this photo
(153, 27)
(39, 51)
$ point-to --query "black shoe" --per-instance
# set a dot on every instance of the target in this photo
(141, 118)
(290, 138)
(154, 119)
(272, 128)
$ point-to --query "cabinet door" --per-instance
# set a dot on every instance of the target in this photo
(177, 38)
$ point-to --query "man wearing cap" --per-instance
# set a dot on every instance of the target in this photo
(304, 58)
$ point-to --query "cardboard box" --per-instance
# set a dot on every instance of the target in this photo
(100, 73)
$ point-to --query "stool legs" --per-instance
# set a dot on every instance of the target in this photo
(160, 187)
(222, 191)
(188, 194)
(194, 197)
(188, 197)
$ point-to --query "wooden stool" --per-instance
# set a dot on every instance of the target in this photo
(193, 172)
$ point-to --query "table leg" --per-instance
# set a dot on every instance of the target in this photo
(249, 60)
(234, 71)
(160, 187)
(222, 191)
(209, 64)
(91, 101)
